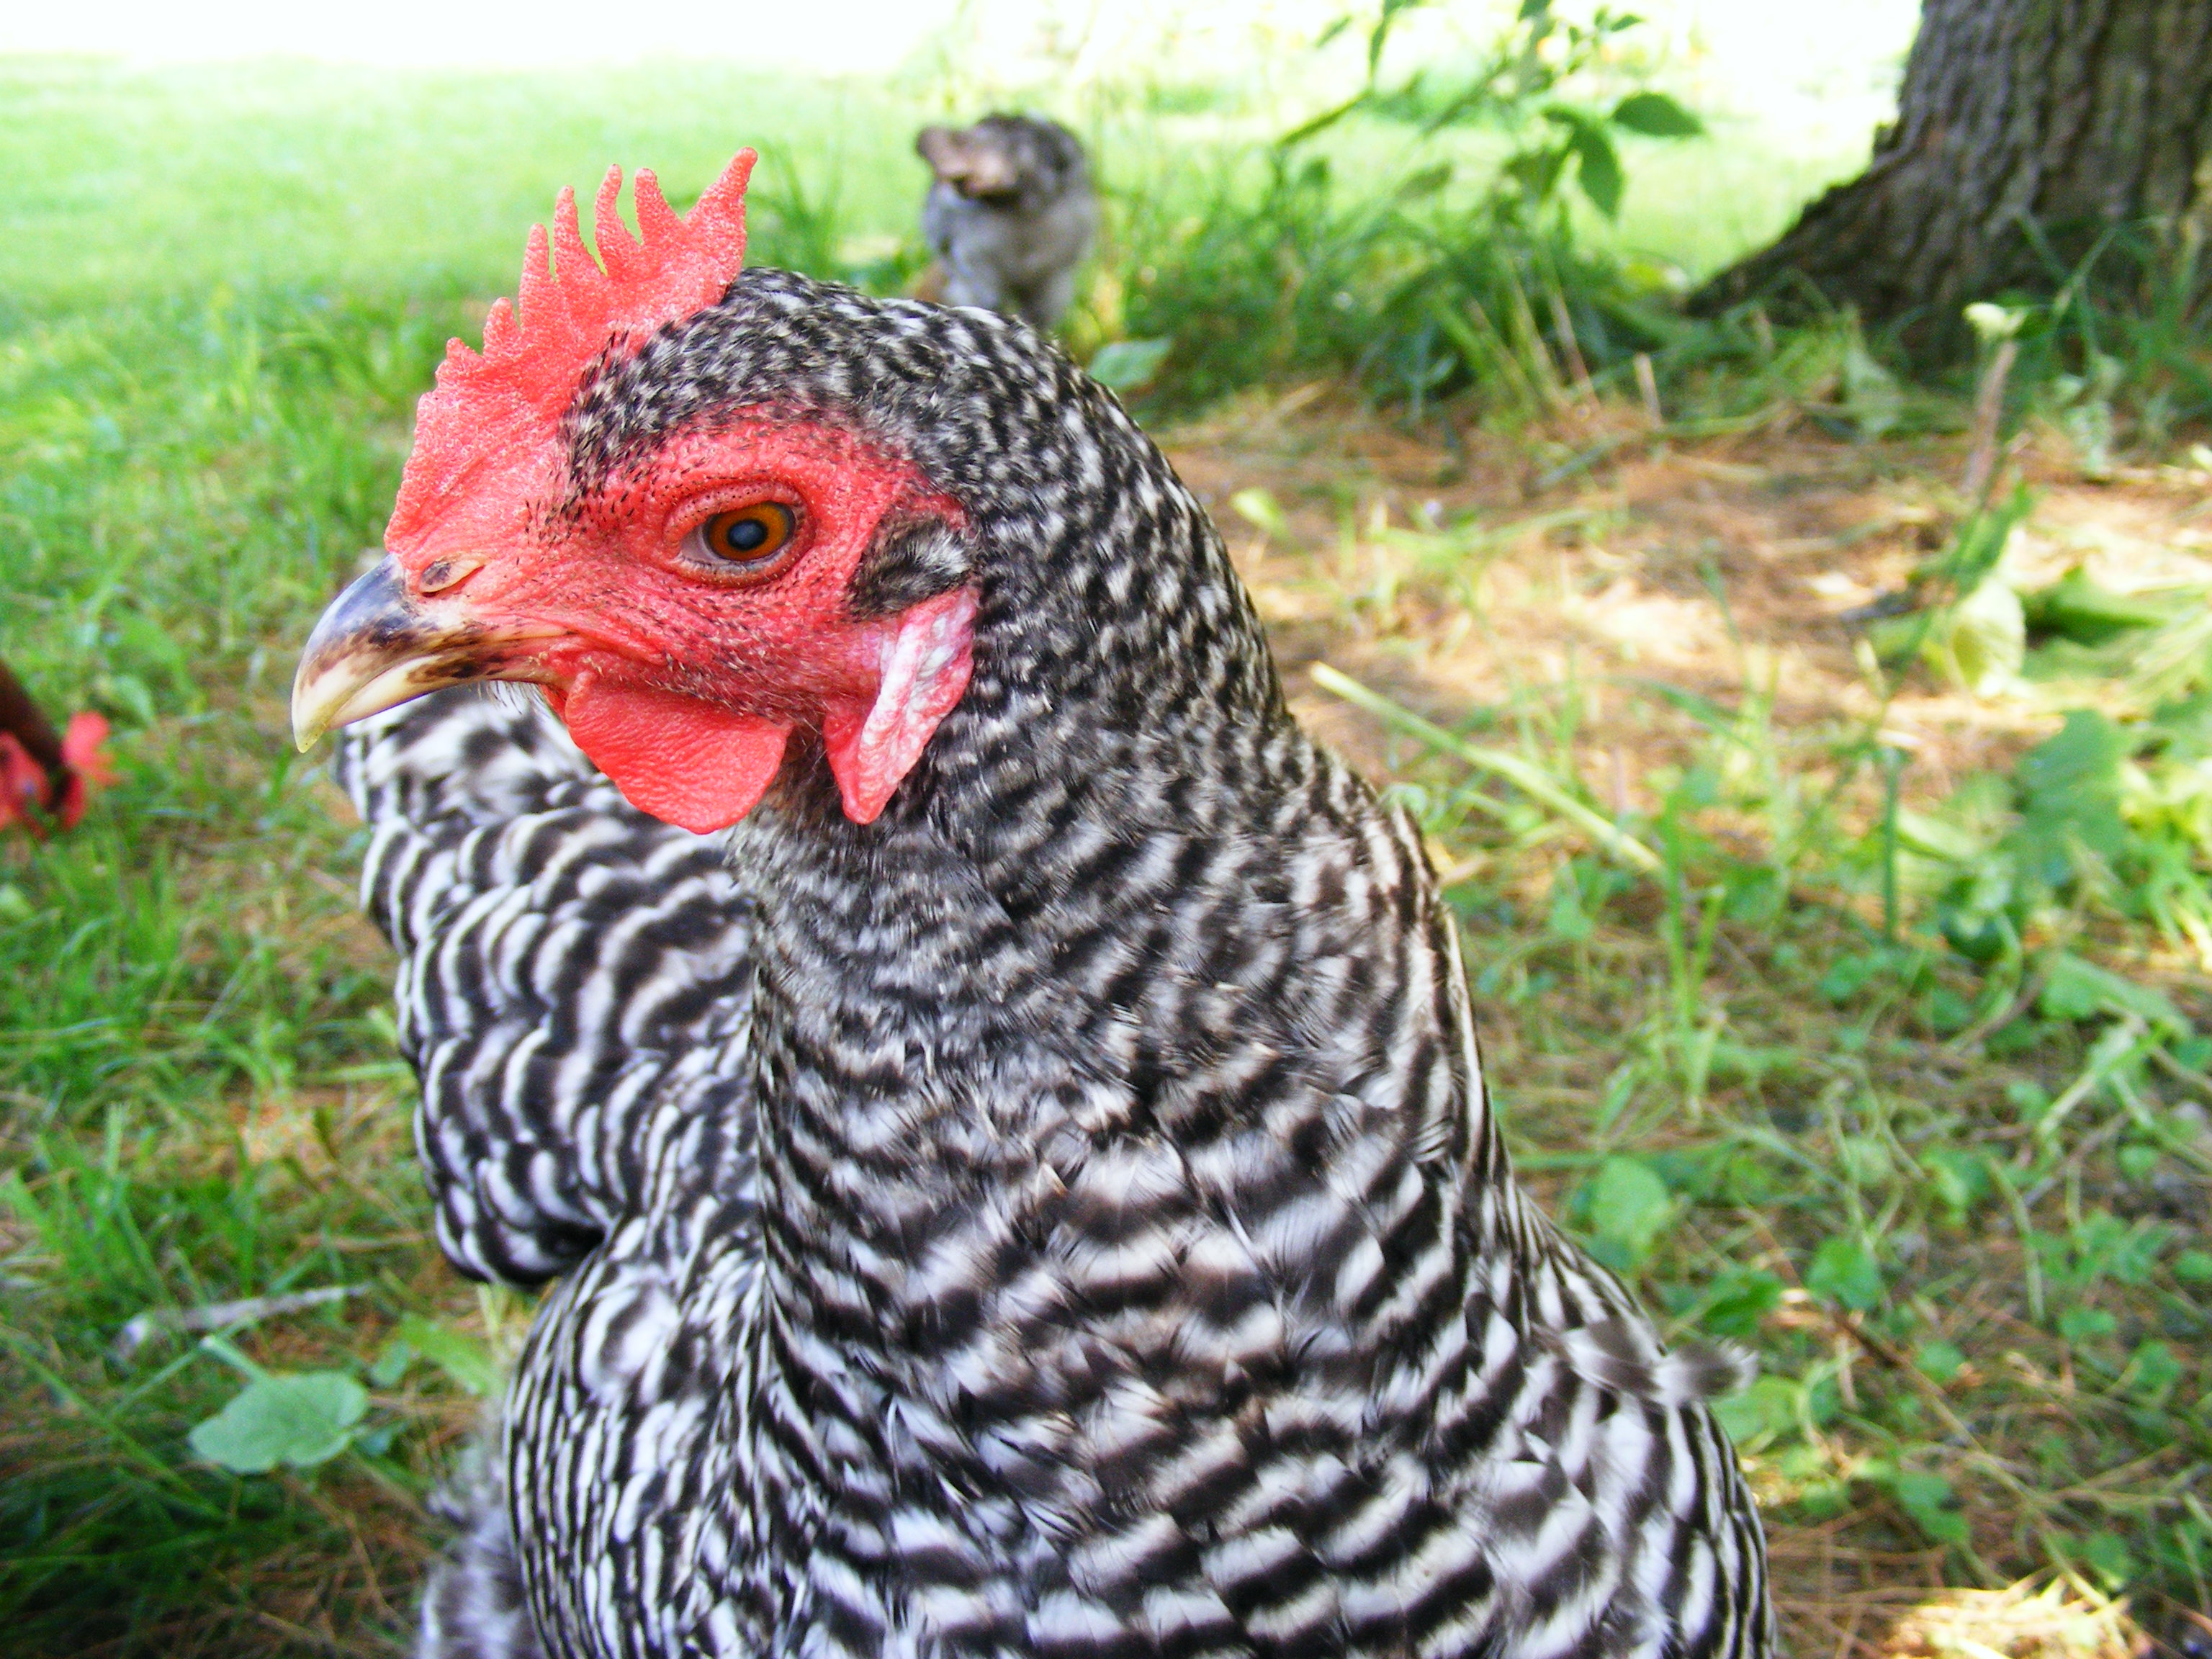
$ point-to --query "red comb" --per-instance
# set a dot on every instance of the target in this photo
(529, 365)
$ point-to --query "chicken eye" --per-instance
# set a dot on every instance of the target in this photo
(751, 535)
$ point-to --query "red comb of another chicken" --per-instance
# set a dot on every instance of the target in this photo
(486, 405)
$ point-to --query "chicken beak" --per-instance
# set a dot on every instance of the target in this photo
(378, 646)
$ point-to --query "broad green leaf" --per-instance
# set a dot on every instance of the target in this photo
(1940, 1362)
(2138, 1162)
(2152, 1370)
(303, 1420)
(1655, 115)
(1961, 1179)
(1630, 1206)
(2082, 1325)
(1865, 1160)
(1568, 919)
(1929, 1499)
(2071, 787)
(1939, 837)
(1768, 1408)
(1128, 365)
(2075, 608)
(2105, 1245)
(1981, 641)
(1597, 169)
(1872, 395)
(2107, 1552)
(1740, 1298)
(2077, 990)
(1844, 1270)
(392, 1362)
(2193, 1267)
(1537, 170)
(1851, 973)
(1427, 182)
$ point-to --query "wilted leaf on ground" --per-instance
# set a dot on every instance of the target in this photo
(1981, 641)
(1258, 508)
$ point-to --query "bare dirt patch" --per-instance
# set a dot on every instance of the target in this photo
(1703, 563)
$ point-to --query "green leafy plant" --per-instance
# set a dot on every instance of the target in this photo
(1533, 83)
(1628, 1205)
(300, 1418)
(1431, 284)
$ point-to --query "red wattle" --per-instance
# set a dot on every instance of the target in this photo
(685, 762)
(22, 784)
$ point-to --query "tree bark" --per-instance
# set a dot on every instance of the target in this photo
(2026, 129)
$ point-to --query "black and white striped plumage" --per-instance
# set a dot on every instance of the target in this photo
(1060, 1217)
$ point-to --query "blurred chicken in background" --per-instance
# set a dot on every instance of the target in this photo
(45, 774)
(1010, 216)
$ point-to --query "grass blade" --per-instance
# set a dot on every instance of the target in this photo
(1524, 775)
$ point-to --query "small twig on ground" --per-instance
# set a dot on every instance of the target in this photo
(1529, 778)
(1988, 411)
(219, 1315)
(1647, 383)
(1563, 321)
(315, 1638)
(2180, 1073)
(2024, 1230)
(2074, 1160)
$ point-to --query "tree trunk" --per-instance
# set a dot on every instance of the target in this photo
(2026, 129)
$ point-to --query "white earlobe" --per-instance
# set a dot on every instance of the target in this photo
(925, 665)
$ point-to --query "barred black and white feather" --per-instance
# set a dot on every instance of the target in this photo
(1063, 1218)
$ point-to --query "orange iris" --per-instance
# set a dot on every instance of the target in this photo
(751, 535)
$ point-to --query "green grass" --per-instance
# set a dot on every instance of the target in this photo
(131, 186)
(1793, 1123)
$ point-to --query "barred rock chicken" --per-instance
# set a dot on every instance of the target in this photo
(998, 1102)
(1010, 213)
